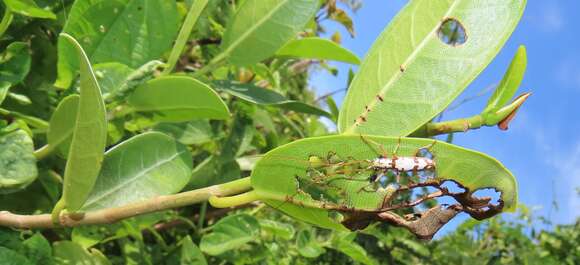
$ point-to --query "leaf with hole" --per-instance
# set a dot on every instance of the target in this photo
(17, 162)
(317, 48)
(419, 65)
(261, 27)
(230, 233)
(125, 35)
(267, 97)
(145, 166)
(278, 175)
(178, 99)
(28, 8)
(88, 137)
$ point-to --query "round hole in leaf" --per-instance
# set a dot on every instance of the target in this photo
(452, 32)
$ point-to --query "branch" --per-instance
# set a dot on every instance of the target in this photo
(112, 215)
(430, 222)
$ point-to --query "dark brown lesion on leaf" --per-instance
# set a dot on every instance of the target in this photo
(425, 224)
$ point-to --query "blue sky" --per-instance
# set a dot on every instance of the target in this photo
(542, 146)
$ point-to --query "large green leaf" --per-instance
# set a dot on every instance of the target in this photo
(89, 137)
(132, 32)
(274, 177)
(178, 99)
(318, 48)
(230, 233)
(411, 73)
(28, 8)
(17, 162)
(62, 124)
(145, 166)
(261, 27)
(267, 97)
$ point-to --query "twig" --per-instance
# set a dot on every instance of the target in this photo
(112, 215)
(331, 93)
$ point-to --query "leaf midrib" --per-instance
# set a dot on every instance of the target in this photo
(131, 180)
(410, 59)
(242, 38)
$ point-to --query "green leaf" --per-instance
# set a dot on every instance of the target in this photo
(28, 8)
(10, 238)
(214, 170)
(186, 29)
(282, 230)
(68, 252)
(62, 124)
(37, 250)
(127, 34)
(178, 99)
(11, 257)
(145, 166)
(4, 87)
(277, 176)
(17, 162)
(267, 97)
(89, 137)
(88, 236)
(307, 244)
(353, 250)
(510, 83)
(188, 133)
(413, 70)
(190, 253)
(112, 77)
(261, 27)
(14, 63)
(33, 199)
(230, 233)
(318, 48)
